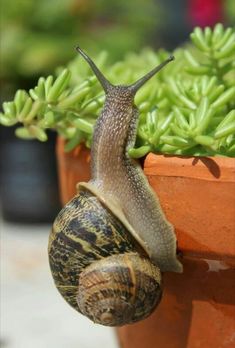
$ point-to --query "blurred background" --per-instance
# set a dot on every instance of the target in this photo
(37, 37)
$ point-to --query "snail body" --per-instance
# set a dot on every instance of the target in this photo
(110, 243)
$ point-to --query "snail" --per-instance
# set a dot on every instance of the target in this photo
(110, 243)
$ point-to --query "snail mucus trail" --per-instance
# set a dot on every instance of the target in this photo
(110, 243)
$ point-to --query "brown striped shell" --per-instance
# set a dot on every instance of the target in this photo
(98, 267)
(118, 290)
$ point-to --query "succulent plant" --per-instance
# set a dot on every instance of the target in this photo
(187, 109)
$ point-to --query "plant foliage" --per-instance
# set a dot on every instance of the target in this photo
(187, 109)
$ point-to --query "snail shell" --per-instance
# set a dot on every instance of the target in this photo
(97, 265)
(121, 289)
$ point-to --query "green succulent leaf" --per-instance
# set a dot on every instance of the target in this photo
(139, 152)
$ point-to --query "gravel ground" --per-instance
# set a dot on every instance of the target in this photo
(33, 314)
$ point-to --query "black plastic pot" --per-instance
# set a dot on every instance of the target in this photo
(28, 179)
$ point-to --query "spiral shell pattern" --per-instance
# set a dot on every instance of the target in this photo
(95, 265)
(83, 232)
(119, 290)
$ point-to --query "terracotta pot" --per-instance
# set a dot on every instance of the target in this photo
(198, 197)
(73, 167)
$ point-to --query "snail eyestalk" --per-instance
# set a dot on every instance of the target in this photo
(102, 79)
(135, 86)
(138, 84)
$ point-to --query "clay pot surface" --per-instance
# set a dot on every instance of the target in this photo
(198, 198)
(73, 167)
(198, 306)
